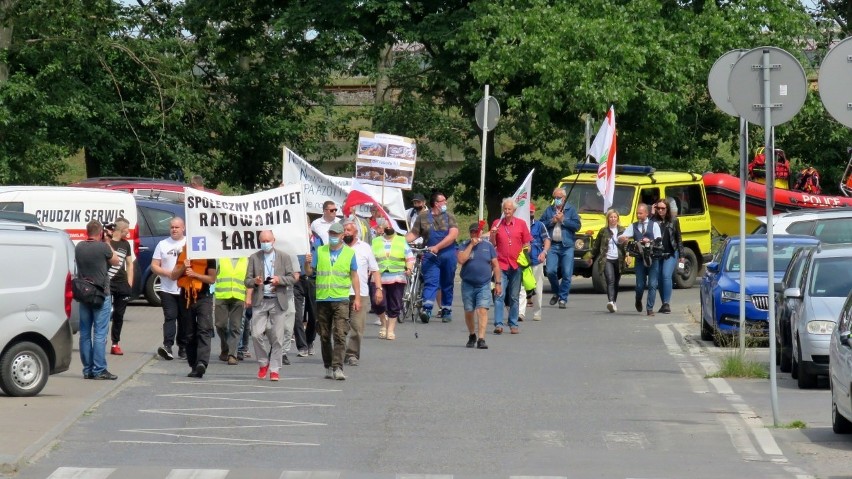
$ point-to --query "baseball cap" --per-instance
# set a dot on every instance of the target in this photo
(532, 207)
(418, 197)
(336, 228)
(473, 227)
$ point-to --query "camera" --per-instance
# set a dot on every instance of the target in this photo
(647, 252)
(268, 280)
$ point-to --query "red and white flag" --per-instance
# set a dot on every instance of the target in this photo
(603, 150)
(358, 197)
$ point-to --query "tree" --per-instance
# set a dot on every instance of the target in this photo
(551, 63)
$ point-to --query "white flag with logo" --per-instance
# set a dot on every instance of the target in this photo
(603, 150)
(523, 197)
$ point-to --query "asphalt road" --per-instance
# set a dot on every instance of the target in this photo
(581, 394)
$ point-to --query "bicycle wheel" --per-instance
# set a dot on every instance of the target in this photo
(407, 303)
(418, 301)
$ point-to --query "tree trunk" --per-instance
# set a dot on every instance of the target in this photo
(5, 36)
(383, 64)
(93, 164)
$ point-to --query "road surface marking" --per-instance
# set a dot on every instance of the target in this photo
(80, 473)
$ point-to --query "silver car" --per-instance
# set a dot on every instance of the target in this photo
(840, 371)
(814, 308)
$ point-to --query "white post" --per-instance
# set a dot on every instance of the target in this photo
(484, 147)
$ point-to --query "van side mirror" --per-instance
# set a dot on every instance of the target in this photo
(793, 293)
(712, 267)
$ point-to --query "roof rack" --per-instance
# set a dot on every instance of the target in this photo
(619, 169)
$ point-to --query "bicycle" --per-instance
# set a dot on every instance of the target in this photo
(412, 297)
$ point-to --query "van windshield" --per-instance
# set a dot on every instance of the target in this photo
(586, 198)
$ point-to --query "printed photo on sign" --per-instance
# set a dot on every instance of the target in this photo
(384, 159)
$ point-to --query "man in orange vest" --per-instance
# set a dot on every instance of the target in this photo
(194, 278)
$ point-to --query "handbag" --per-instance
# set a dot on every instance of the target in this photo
(85, 291)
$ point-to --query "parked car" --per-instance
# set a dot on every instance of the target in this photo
(784, 306)
(149, 187)
(36, 307)
(816, 304)
(720, 285)
(19, 216)
(830, 225)
(154, 213)
(840, 370)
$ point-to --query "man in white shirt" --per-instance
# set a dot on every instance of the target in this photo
(644, 231)
(162, 264)
(321, 225)
(418, 202)
(367, 268)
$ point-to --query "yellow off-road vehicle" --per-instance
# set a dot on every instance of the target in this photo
(635, 184)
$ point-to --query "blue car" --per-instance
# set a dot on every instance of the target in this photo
(720, 285)
(154, 215)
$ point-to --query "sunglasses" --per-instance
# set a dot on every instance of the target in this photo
(332, 211)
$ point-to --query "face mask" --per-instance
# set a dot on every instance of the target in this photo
(266, 247)
(557, 202)
(443, 208)
(333, 240)
(348, 239)
(389, 231)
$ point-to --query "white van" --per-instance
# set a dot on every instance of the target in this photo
(36, 307)
(70, 209)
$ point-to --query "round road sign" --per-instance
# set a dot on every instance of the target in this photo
(717, 80)
(493, 112)
(835, 76)
(788, 86)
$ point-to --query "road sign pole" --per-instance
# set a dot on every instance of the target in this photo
(743, 186)
(484, 149)
(769, 151)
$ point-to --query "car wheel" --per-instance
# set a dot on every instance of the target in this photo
(839, 424)
(685, 279)
(152, 287)
(806, 380)
(706, 331)
(24, 369)
(785, 357)
(598, 278)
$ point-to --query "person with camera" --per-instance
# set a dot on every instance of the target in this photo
(609, 254)
(672, 251)
(644, 232)
(269, 293)
(94, 257)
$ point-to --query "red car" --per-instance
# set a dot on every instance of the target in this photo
(139, 186)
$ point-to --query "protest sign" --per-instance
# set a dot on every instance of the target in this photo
(229, 226)
(385, 160)
(320, 187)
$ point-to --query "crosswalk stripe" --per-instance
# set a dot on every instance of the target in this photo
(81, 473)
(309, 475)
(197, 474)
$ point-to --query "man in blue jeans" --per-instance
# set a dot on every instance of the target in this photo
(94, 256)
(510, 236)
(644, 231)
(561, 221)
(478, 260)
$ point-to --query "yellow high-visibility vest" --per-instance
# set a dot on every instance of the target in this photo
(230, 280)
(333, 281)
(392, 261)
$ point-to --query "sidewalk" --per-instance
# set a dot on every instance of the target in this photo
(33, 423)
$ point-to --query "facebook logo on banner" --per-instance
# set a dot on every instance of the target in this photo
(199, 243)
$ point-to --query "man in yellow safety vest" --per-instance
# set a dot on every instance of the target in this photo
(337, 271)
(230, 305)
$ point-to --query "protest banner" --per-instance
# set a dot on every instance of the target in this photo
(385, 160)
(229, 226)
(320, 187)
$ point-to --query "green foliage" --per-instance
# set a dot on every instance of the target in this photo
(797, 424)
(737, 365)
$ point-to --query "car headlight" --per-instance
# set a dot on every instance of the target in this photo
(580, 243)
(732, 296)
(820, 327)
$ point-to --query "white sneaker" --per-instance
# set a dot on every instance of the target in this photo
(610, 306)
(338, 374)
(377, 322)
(537, 317)
(329, 374)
